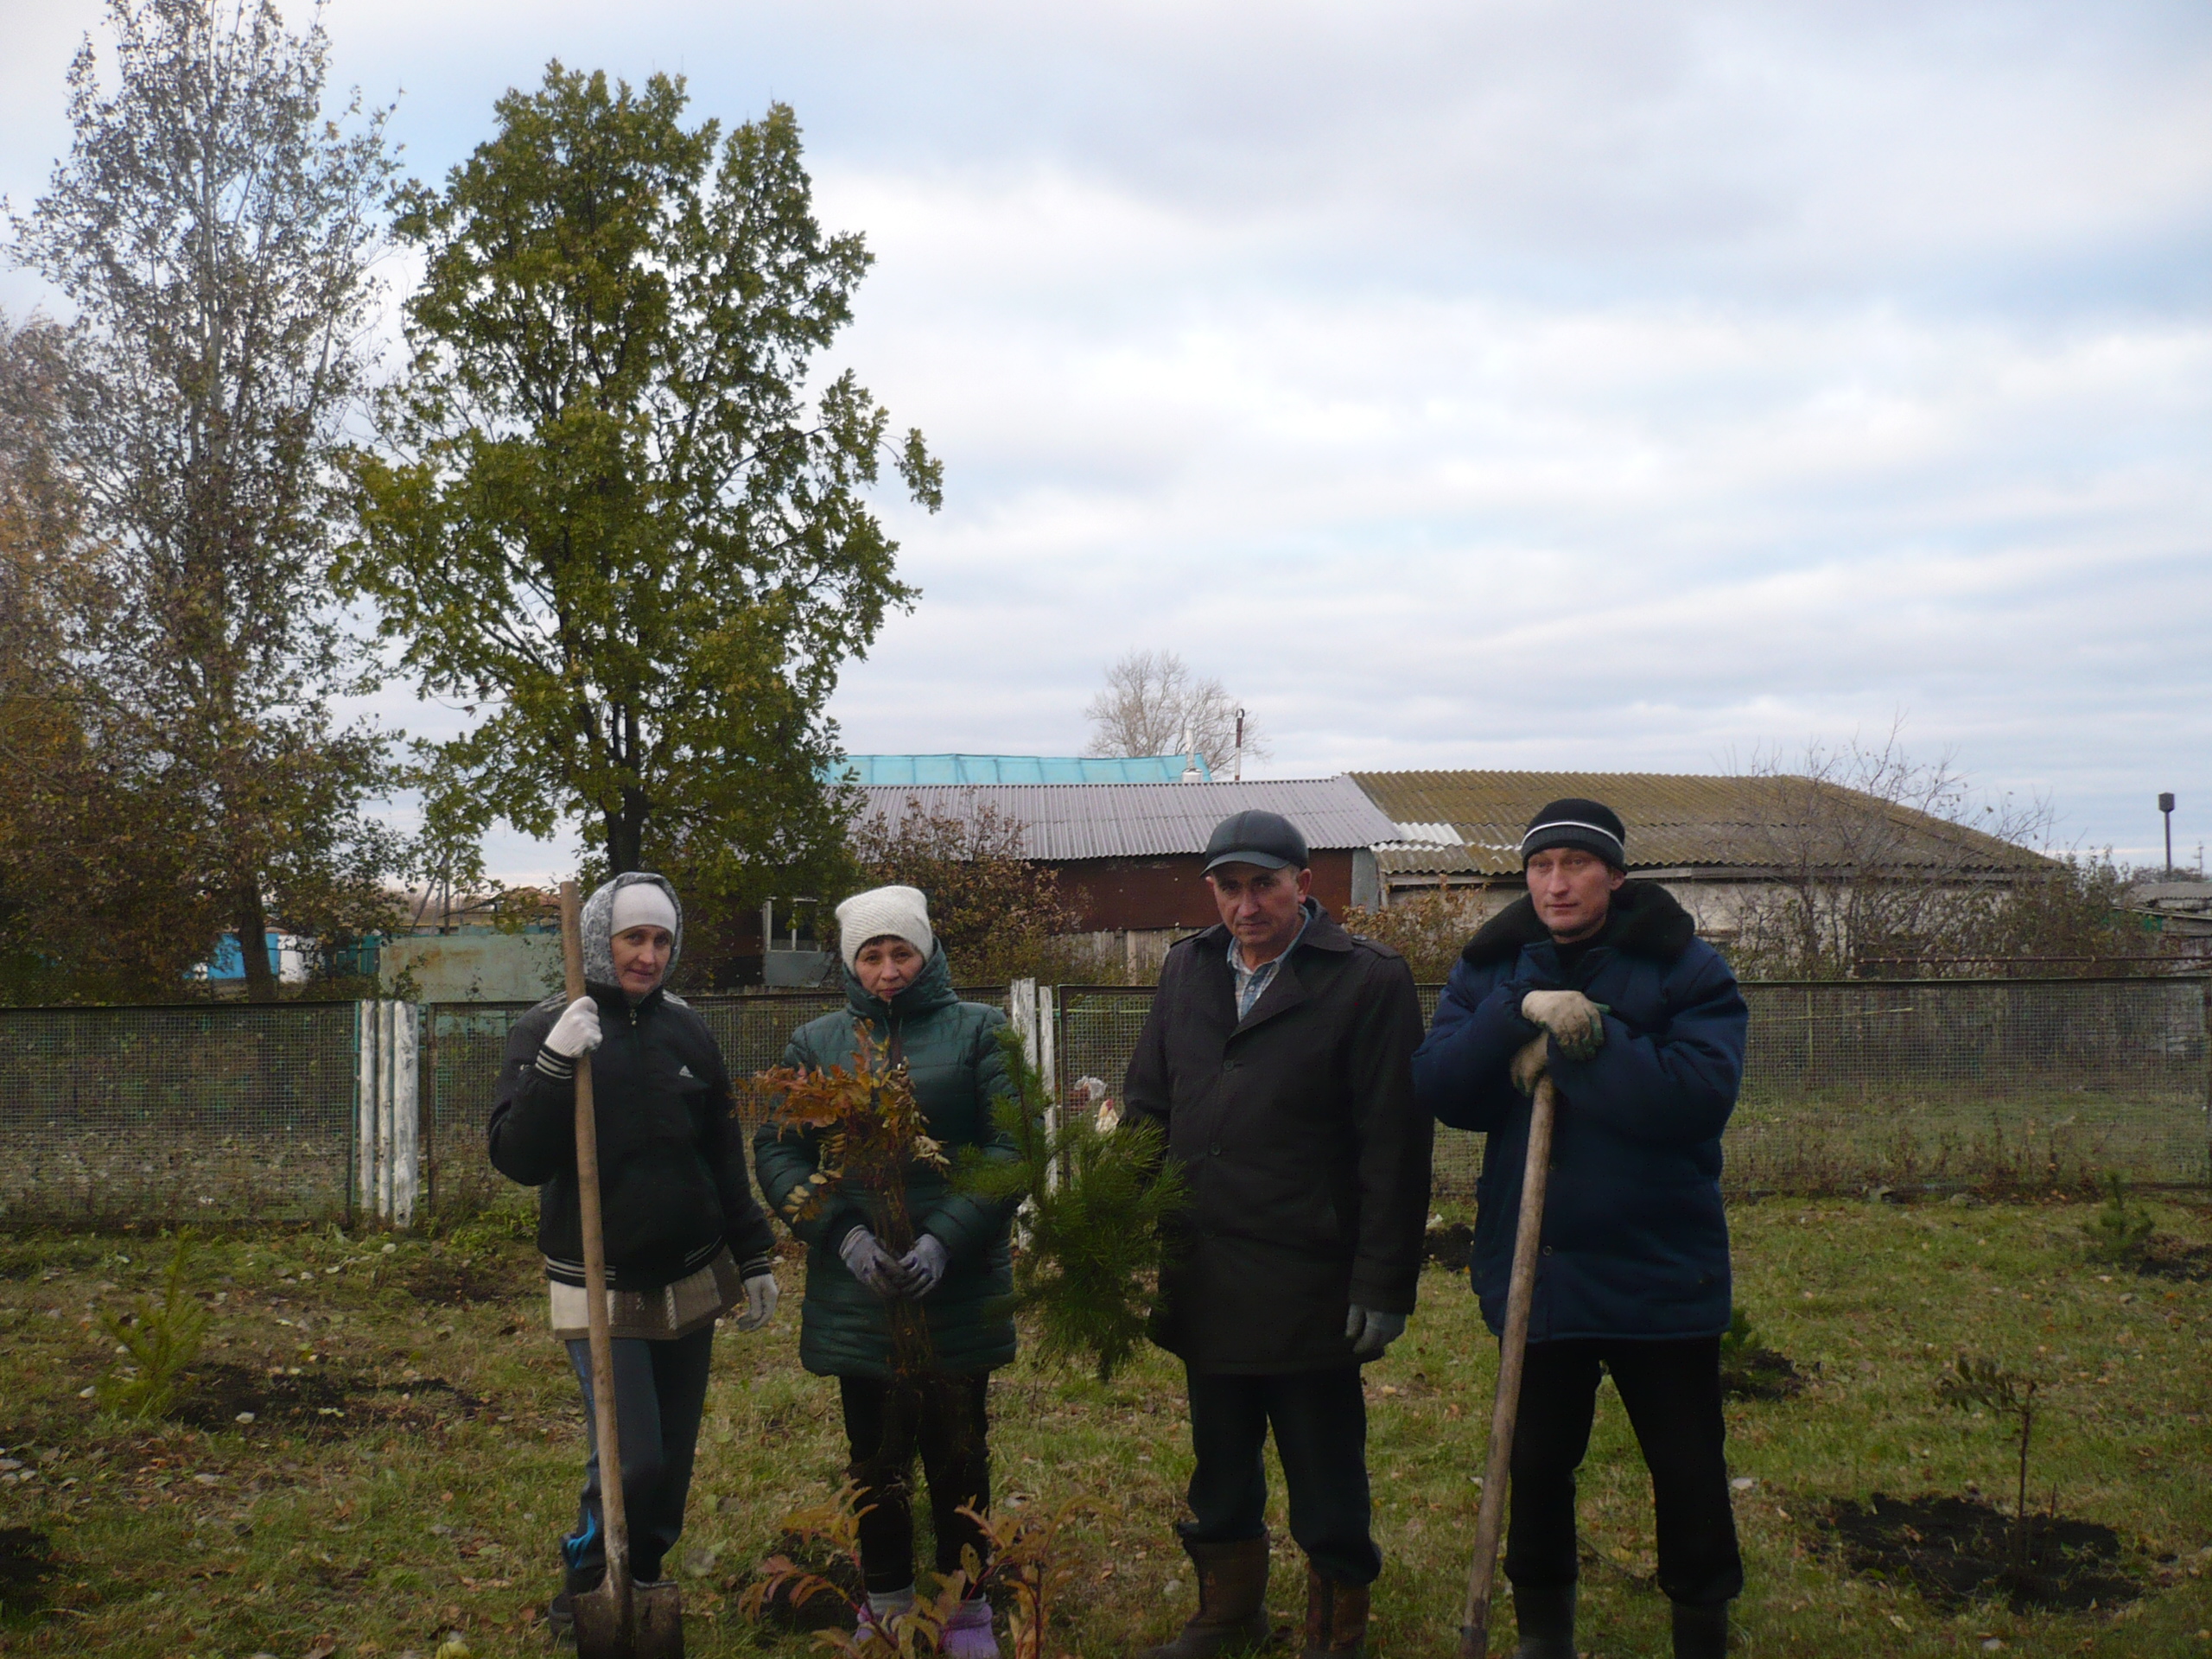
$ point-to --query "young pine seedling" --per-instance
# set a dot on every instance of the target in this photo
(159, 1340)
(1968, 1382)
(2121, 1234)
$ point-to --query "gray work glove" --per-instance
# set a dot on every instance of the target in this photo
(576, 1032)
(1575, 1023)
(872, 1265)
(924, 1265)
(761, 1295)
(1370, 1331)
(1530, 1061)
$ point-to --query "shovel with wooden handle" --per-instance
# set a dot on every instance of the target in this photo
(1474, 1623)
(620, 1620)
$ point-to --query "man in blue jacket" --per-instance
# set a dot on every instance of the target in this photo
(1603, 984)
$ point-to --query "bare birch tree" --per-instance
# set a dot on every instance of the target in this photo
(1154, 704)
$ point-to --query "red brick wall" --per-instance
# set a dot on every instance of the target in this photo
(1121, 893)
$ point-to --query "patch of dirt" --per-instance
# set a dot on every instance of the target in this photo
(1450, 1246)
(463, 1283)
(1958, 1549)
(323, 1405)
(26, 1564)
(822, 1610)
(1760, 1374)
(2168, 1257)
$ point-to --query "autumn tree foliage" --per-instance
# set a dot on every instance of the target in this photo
(999, 917)
(214, 230)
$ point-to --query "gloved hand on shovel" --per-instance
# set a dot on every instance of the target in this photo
(1531, 1062)
(872, 1265)
(1575, 1023)
(575, 1034)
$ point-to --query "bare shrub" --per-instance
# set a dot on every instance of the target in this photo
(998, 916)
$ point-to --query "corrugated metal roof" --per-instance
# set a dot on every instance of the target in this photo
(1067, 821)
(870, 769)
(1674, 820)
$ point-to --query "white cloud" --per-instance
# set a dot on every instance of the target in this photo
(1511, 383)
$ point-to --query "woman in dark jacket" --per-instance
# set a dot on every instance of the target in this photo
(898, 993)
(685, 1241)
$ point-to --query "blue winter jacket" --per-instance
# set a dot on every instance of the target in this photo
(1634, 1239)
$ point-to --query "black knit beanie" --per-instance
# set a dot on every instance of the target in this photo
(1590, 826)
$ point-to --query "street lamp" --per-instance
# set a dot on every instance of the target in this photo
(2166, 806)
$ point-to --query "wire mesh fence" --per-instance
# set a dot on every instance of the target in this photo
(1993, 1085)
(209, 1111)
(231, 1111)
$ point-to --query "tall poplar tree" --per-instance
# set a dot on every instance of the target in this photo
(214, 229)
(610, 515)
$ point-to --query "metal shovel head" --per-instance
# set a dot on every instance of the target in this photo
(653, 1627)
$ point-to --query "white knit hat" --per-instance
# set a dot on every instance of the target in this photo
(641, 904)
(881, 913)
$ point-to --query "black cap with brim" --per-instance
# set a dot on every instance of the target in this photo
(1266, 839)
(1590, 826)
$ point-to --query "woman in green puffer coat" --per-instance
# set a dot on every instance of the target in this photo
(899, 992)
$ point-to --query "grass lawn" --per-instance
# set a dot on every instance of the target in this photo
(416, 1439)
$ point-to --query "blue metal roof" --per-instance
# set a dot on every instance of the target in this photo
(1142, 820)
(896, 770)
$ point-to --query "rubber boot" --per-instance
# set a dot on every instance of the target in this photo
(1232, 1601)
(1336, 1617)
(1700, 1632)
(1545, 1616)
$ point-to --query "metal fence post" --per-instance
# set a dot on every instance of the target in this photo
(406, 1112)
(367, 1076)
(1030, 1009)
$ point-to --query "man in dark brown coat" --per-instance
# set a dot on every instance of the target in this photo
(1277, 1059)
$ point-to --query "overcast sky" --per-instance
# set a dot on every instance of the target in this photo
(1475, 384)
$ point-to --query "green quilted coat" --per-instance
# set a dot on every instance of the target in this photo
(951, 1048)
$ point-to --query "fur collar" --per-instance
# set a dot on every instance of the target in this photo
(1645, 920)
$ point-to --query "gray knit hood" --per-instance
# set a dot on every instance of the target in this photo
(596, 924)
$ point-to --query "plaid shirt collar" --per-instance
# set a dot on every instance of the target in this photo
(1252, 982)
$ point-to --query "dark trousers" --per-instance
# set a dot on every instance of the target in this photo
(1672, 1390)
(947, 1419)
(1320, 1423)
(660, 1392)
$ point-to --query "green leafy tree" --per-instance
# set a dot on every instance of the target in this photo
(215, 231)
(608, 515)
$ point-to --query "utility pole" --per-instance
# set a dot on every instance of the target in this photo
(1236, 770)
(2166, 806)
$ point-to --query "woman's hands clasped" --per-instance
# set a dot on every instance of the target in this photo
(914, 1275)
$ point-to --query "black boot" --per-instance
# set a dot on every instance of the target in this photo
(1545, 1615)
(1700, 1632)
(1336, 1617)
(1232, 1614)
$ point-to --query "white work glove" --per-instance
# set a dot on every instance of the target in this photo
(1575, 1023)
(1370, 1331)
(924, 1265)
(1530, 1061)
(871, 1264)
(761, 1295)
(576, 1032)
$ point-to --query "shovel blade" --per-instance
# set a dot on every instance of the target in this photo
(650, 1625)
